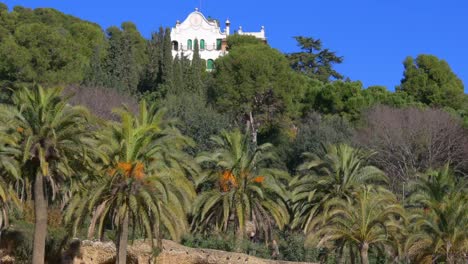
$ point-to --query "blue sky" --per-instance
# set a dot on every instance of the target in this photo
(374, 36)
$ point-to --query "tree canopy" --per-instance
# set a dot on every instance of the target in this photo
(431, 81)
(46, 46)
(255, 78)
(315, 61)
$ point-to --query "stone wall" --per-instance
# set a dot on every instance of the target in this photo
(172, 253)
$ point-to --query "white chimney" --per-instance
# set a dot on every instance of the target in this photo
(228, 27)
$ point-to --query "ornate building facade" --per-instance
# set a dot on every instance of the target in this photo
(209, 35)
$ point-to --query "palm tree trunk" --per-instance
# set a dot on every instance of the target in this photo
(96, 214)
(364, 253)
(239, 236)
(341, 254)
(158, 236)
(251, 123)
(6, 221)
(123, 241)
(449, 257)
(92, 226)
(40, 227)
(351, 255)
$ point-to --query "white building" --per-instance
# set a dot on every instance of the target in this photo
(211, 39)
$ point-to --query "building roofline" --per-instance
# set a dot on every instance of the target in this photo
(211, 23)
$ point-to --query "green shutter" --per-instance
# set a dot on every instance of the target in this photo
(210, 64)
(202, 44)
(189, 44)
(218, 44)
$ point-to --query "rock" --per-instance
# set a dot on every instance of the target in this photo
(140, 252)
(7, 259)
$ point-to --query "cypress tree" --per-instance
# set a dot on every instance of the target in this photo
(159, 43)
(164, 80)
(149, 81)
(114, 56)
(129, 76)
(167, 61)
(95, 74)
(195, 81)
(196, 60)
(186, 65)
(178, 76)
(159, 73)
(121, 66)
(138, 44)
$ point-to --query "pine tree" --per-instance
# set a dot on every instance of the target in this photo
(431, 81)
(315, 61)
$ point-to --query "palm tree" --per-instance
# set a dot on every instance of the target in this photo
(242, 187)
(334, 173)
(440, 218)
(143, 180)
(431, 188)
(441, 233)
(54, 145)
(9, 170)
(365, 221)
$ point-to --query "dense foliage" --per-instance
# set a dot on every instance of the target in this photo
(44, 45)
(432, 82)
(272, 154)
(315, 61)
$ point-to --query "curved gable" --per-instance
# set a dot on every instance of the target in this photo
(197, 21)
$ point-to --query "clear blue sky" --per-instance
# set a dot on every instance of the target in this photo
(374, 36)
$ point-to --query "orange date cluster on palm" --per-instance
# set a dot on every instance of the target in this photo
(258, 179)
(227, 181)
(136, 170)
(246, 174)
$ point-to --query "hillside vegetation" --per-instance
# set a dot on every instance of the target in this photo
(105, 136)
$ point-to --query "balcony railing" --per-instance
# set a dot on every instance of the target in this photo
(188, 48)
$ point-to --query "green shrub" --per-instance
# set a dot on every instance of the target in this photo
(226, 243)
(291, 247)
(21, 233)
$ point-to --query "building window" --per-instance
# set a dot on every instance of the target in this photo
(210, 64)
(202, 44)
(189, 44)
(219, 44)
(175, 45)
